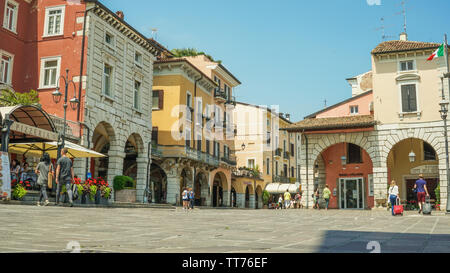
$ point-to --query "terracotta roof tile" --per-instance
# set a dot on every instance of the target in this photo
(314, 124)
(397, 46)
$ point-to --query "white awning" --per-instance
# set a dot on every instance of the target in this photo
(277, 188)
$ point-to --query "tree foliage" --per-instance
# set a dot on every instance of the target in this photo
(11, 98)
(191, 52)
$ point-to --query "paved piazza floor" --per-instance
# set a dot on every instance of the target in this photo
(50, 229)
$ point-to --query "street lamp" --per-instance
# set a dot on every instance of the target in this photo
(74, 102)
(444, 111)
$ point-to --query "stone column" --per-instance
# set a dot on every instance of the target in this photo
(443, 184)
(141, 179)
(240, 200)
(115, 164)
(79, 168)
(380, 184)
(307, 186)
(252, 201)
(226, 198)
(173, 186)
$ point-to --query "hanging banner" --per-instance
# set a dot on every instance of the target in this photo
(5, 176)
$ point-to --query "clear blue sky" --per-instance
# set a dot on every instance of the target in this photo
(293, 53)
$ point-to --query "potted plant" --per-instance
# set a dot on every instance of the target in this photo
(104, 191)
(437, 191)
(266, 196)
(124, 189)
(19, 191)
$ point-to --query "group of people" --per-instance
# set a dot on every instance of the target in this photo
(285, 201)
(64, 175)
(188, 197)
(420, 189)
(326, 195)
(21, 172)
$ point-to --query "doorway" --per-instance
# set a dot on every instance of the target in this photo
(351, 193)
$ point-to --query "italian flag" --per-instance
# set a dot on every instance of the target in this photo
(438, 53)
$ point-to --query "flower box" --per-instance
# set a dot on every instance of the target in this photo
(126, 196)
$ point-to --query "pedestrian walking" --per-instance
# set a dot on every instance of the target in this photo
(64, 175)
(316, 196)
(287, 199)
(43, 169)
(280, 202)
(185, 196)
(326, 194)
(393, 195)
(298, 198)
(422, 191)
(191, 198)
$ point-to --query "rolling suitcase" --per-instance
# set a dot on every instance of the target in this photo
(398, 208)
(427, 206)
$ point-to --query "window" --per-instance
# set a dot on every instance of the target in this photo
(226, 152)
(5, 68)
(292, 172)
(217, 80)
(276, 167)
(49, 72)
(354, 153)
(371, 186)
(409, 98)
(155, 136)
(199, 111)
(109, 40)
(285, 170)
(107, 80)
(217, 116)
(10, 18)
(157, 100)
(199, 142)
(354, 109)
(428, 152)
(138, 59)
(268, 123)
(188, 137)
(54, 21)
(407, 65)
(207, 146)
(268, 165)
(226, 88)
(251, 163)
(292, 149)
(137, 95)
(189, 106)
(268, 139)
(216, 149)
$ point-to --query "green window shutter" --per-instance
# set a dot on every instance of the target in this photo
(412, 98)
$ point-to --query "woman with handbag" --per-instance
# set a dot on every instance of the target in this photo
(45, 171)
(393, 195)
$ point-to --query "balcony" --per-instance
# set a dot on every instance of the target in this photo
(178, 151)
(73, 129)
(228, 159)
(281, 179)
(231, 100)
(247, 172)
(220, 95)
(278, 152)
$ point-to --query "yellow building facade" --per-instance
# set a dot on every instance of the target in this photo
(192, 132)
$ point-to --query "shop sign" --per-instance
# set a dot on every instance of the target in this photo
(425, 169)
(34, 131)
(5, 176)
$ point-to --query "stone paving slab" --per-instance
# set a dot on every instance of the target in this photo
(152, 230)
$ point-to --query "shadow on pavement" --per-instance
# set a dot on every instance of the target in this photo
(335, 241)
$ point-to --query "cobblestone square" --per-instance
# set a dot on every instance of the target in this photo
(143, 230)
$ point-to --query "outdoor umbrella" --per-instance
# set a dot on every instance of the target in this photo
(39, 148)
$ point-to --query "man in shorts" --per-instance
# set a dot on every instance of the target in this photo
(287, 199)
(422, 191)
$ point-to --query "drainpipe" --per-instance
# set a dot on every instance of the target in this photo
(83, 42)
(307, 184)
(146, 191)
(193, 130)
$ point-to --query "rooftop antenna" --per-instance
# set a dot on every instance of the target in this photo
(383, 30)
(155, 33)
(325, 103)
(404, 15)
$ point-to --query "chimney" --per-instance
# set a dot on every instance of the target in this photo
(288, 117)
(120, 14)
(403, 36)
